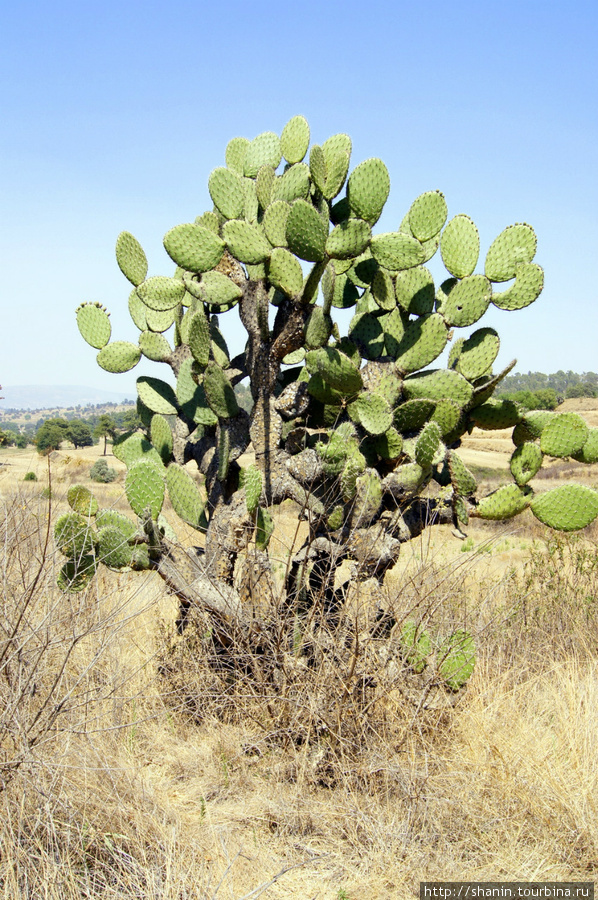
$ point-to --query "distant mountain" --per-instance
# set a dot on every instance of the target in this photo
(48, 396)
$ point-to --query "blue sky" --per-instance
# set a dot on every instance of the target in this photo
(114, 114)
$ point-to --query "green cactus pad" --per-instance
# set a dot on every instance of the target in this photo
(275, 223)
(81, 500)
(140, 558)
(365, 331)
(154, 346)
(508, 501)
(284, 272)
(157, 395)
(368, 498)
(74, 536)
(427, 215)
(396, 251)
(235, 153)
(410, 416)
(135, 447)
(515, 245)
(447, 416)
(144, 486)
(218, 290)
(337, 167)
(536, 421)
(416, 646)
(115, 519)
(427, 445)
(478, 353)
(264, 150)
(319, 388)
(368, 189)
(336, 369)
(372, 412)
(462, 479)
(352, 469)
(184, 495)
(423, 341)
(415, 291)
(113, 549)
(75, 574)
(496, 414)
(306, 232)
(210, 220)
(337, 143)
(160, 293)
(227, 193)
(185, 384)
(467, 301)
(194, 247)
(198, 409)
(252, 483)
(589, 451)
(389, 445)
(348, 239)
(161, 436)
(198, 337)
(220, 393)
(119, 356)
(438, 384)
(137, 310)
(317, 167)
(336, 518)
(264, 528)
(130, 257)
(338, 289)
(160, 320)
(294, 140)
(405, 480)
(566, 508)
(457, 659)
(394, 326)
(526, 462)
(460, 246)
(564, 435)
(383, 290)
(246, 241)
(318, 328)
(251, 203)
(93, 322)
(264, 184)
(367, 304)
(529, 281)
(293, 184)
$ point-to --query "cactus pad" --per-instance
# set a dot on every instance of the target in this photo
(457, 659)
(154, 346)
(284, 272)
(119, 356)
(367, 189)
(427, 215)
(460, 246)
(496, 414)
(130, 257)
(565, 434)
(264, 150)
(73, 535)
(93, 321)
(157, 395)
(438, 384)
(427, 445)
(306, 232)
(515, 245)
(198, 337)
(219, 392)
(194, 248)
(467, 301)
(81, 500)
(113, 549)
(410, 416)
(372, 412)
(506, 502)
(275, 223)
(589, 451)
(184, 495)
(529, 281)
(348, 239)
(396, 250)
(144, 486)
(294, 140)
(423, 341)
(416, 646)
(566, 508)
(227, 193)
(336, 369)
(112, 517)
(218, 290)
(161, 436)
(526, 462)
(478, 353)
(415, 291)
(246, 241)
(462, 479)
(292, 185)
(235, 153)
(252, 483)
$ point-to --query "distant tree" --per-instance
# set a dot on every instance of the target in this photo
(580, 389)
(130, 419)
(6, 438)
(105, 428)
(22, 441)
(79, 433)
(51, 434)
(546, 398)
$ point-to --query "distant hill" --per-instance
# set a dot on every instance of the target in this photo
(50, 396)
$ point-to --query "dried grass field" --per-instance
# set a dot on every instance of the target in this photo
(127, 770)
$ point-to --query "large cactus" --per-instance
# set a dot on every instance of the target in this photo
(351, 427)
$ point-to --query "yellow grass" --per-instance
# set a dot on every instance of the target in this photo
(128, 795)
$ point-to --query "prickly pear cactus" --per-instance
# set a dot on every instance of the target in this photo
(359, 430)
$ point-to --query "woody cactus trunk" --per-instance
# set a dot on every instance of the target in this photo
(357, 429)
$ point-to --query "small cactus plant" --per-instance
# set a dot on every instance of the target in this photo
(352, 428)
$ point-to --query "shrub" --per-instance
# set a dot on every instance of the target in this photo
(30, 476)
(101, 471)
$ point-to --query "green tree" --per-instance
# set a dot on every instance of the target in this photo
(106, 428)
(358, 430)
(51, 434)
(79, 434)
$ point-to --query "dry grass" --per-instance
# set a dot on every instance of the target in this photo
(118, 788)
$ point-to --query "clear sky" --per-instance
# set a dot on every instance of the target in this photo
(114, 114)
